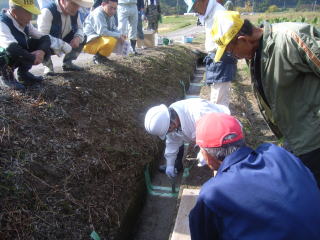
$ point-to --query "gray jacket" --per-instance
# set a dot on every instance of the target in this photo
(98, 24)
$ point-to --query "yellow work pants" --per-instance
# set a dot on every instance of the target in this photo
(102, 45)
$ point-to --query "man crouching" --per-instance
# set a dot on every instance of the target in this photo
(21, 45)
(101, 30)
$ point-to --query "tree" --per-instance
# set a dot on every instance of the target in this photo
(273, 8)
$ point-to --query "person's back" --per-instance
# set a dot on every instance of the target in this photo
(263, 194)
(291, 71)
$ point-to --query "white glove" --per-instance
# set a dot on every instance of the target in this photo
(143, 17)
(170, 171)
(201, 160)
(66, 48)
(59, 46)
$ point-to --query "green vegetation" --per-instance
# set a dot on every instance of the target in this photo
(289, 16)
(170, 7)
(175, 22)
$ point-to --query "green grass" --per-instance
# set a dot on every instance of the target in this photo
(308, 17)
(172, 23)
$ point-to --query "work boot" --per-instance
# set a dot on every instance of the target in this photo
(133, 46)
(69, 66)
(7, 79)
(28, 79)
(48, 68)
(99, 59)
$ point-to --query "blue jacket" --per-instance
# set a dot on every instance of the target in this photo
(223, 71)
(263, 194)
(56, 27)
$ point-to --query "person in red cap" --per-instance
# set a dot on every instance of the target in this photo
(265, 193)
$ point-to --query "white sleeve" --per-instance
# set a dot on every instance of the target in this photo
(79, 32)
(173, 142)
(44, 21)
(6, 38)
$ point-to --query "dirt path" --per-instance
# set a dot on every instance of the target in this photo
(187, 31)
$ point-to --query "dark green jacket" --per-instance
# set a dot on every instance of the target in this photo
(290, 80)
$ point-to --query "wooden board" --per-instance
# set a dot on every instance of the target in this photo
(181, 227)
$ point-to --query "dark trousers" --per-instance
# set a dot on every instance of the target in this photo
(312, 161)
(75, 52)
(24, 65)
(178, 163)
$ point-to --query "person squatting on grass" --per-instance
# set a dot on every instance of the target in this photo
(285, 71)
(101, 31)
(262, 194)
(61, 19)
(22, 45)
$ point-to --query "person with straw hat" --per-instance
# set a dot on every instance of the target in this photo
(21, 45)
(61, 19)
(285, 71)
(266, 193)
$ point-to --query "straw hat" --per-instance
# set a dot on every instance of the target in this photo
(84, 3)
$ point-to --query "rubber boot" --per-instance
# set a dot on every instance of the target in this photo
(7, 79)
(133, 45)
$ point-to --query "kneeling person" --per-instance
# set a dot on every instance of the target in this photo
(22, 45)
(61, 20)
(101, 31)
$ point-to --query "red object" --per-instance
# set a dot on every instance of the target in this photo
(217, 129)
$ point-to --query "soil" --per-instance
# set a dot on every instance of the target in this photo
(73, 150)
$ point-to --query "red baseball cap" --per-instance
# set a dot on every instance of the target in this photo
(217, 129)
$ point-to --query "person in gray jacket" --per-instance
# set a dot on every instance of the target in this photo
(101, 31)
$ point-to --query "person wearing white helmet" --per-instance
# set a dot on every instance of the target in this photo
(176, 124)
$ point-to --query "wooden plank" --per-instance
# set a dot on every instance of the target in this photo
(181, 227)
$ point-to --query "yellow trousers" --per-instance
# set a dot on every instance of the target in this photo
(102, 45)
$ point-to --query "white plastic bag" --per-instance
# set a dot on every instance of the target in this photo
(123, 49)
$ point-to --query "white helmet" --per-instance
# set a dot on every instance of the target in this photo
(157, 121)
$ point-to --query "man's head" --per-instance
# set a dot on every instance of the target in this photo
(71, 7)
(160, 120)
(109, 7)
(218, 135)
(235, 35)
(22, 11)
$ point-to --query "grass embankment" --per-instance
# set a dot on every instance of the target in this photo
(175, 22)
(73, 150)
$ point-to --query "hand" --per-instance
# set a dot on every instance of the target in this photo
(122, 38)
(143, 17)
(170, 171)
(66, 48)
(75, 42)
(39, 54)
(201, 160)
